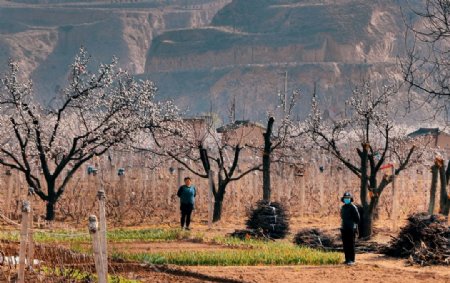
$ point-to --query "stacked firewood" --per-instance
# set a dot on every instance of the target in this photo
(425, 240)
(271, 217)
(267, 220)
(314, 238)
(318, 239)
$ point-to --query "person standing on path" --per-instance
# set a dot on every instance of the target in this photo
(350, 219)
(187, 194)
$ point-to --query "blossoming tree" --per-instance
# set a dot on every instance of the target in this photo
(369, 126)
(95, 112)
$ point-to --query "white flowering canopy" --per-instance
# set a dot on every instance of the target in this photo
(364, 140)
(369, 119)
(96, 111)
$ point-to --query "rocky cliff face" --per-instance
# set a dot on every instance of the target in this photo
(202, 52)
(45, 37)
(251, 44)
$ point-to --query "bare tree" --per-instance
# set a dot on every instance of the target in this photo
(426, 67)
(280, 144)
(96, 111)
(229, 158)
(426, 64)
(369, 125)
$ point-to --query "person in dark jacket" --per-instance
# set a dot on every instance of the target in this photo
(350, 219)
(187, 194)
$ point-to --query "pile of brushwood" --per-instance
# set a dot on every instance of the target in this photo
(425, 240)
(267, 220)
(317, 239)
(271, 217)
(314, 238)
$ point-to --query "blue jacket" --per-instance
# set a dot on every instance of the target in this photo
(187, 194)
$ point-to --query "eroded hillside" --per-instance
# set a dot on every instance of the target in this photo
(250, 44)
(207, 51)
(45, 37)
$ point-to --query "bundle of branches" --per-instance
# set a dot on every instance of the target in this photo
(246, 234)
(317, 239)
(425, 240)
(271, 217)
(314, 238)
(363, 247)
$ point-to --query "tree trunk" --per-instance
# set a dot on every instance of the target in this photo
(51, 201)
(368, 218)
(447, 172)
(218, 201)
(373, 187)
(366, 224)
(50, 212)
(368, 208)
(266, 160)
(443, 207)
(434, 180)
(266, 178)
(364, 177)
(365, 228)
(217, 214)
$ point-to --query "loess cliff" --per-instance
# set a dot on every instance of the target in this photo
(204, 52)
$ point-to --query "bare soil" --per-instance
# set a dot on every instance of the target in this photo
(369, 267)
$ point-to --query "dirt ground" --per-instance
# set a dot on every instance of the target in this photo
(369, 268)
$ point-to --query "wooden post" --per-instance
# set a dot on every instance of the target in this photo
(180, 176)
(321, 184)
(169, 188)
(289, 185)
(30, 248)
(8, 194)
(302, 194)
(16, 195)
(122, 194)
(23, 240)
(96, 247)
(418, 182)
(340, 184)
(236, 199)
(210, 198)
(394, 201)
(313, 184)
(102, 230)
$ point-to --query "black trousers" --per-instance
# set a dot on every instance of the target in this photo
(348, 239)
(186, 211)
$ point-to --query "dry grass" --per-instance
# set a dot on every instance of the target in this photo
(148, 195)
